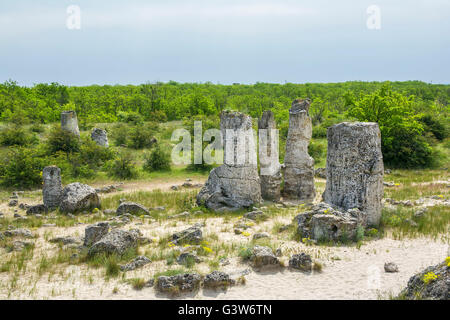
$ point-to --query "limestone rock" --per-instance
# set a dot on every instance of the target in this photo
(137, 262)
(95, 232)
(255, 215)
(78, 197)
(69, 122)
(186, 258)
(180, 282)
(301, 262)
(100, 137)
(299, 165)
(117, 241)
(132, 208)
(65, 240)
(36, 209)
(52, 188)
(270, 168)
(217, 279)
(355, 168)
(390, 267)
(19, 232)
(190, 235)
(320, 173)
(263, 257)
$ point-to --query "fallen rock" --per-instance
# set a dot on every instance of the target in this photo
(260, 235)
(78, 197)
(217, 279)
(138, 262)
(191, 235)
(95, 232)
(420, 212)
(24, 206)
(100, 137)
(37, 209)
(20, 232)
(178, 283)
(116, 241)
(187, 258)
(390, 267)
(255, 215)
(65, 240)
(13, 203)
(301, 262)
(263, 257)
(18, 245)
(132, 208)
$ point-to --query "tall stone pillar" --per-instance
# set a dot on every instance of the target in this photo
(235, 184)
(299, 165)
(69, 122)
(355, 169)
(52, 188)
(100, 137)
(269, 164)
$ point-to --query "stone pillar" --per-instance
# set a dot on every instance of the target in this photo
(100, 136)
(235, 184)
(355, 169)
(270, 169)
(69, 122)
(52, 188)
(299, 166)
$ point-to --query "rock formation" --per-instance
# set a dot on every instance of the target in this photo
(100, 136)
(299, 166)
(78, 197)
(235, 184)
(270, 168)
(52, 188)
(69, 122)
(355, 169)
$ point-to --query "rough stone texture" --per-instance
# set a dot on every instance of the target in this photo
(299, 166)
(217, 279)
(260, 235)
(263, 257)
(36, 209)
(69, 122)
(270, 168)
(137, 262)
(320, 173)
(255, 215)
(13, 202)
(20, 232)
(186, 258)
(52, 188)
(180, 282)
(323, 222)
(190, 235)
(301, 262)
(100, 136)
(65, 240)
(132, 208)
(77, 197)
(235, 184)
(117, 241)
(438, 289)
(95, 232)
(390, 267)
(355, 168)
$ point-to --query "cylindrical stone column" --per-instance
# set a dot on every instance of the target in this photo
(69, 122)
(52, 188)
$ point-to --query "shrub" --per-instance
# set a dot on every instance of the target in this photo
(158, 159)
(21, 167)
(62, 140)
(123, 167)
(316, 150)
(434, 126)
(120, 134)
(37, 128)
(15, 136)
(94, 155)
(141, 137)
(130, 117)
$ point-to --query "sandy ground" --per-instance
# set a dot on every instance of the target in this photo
(348, 272)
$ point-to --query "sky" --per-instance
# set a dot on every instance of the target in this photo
(224, 41)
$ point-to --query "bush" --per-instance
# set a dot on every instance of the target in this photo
(94, 155)
(62, 140)
(434, 126)
(130, 117)
(15, 136)
(316, 150)
(122, 167)
(319, 131)
(158, 159)
(120, 134)
(141, 137)
(37, 128)
(21, 168)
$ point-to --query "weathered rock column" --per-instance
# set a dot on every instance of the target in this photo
(235, 184)
(269, 164)
(69, 122)
(299, 166)
(100, 136)
(52, 188)
(355, 168)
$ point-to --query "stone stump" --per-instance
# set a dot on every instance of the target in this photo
(355, 169)
(69, 122)
(235, 184)
(299, 165)
(100, 137)
(52, 188)
(270, 168)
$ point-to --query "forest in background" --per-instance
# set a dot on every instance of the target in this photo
(413, 118)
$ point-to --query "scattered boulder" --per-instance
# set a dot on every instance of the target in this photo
(260, 235)
(132, 208)
(65, 240)
(13, 202)
(78, 197)
(52, 188)
(116, 241)
(298, 164)
(95, 232)
(420, 212)
(191, 235)
(137, 262)
(217, 279)
(255, 215)
(390, 267)
(178, 283)
(355, 168)
(100, 137)
(432, 283)
(18, 245)
(69, 122)
(24, 206)
(20, 232)
(263, 257)
(37, 209)
(301, 262)
(187, 258)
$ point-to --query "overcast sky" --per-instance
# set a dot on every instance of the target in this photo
(224, 41)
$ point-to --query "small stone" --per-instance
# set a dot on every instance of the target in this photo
(181, 282)
(131, 208)
(187, 258)
(190, 235)
(255, 215)
(301, 262)
(138, 262)
(390, 267)
(37, 209)
(260, 235)
(13, 203)
(263, 257)
(95, 232)
(217, 279)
